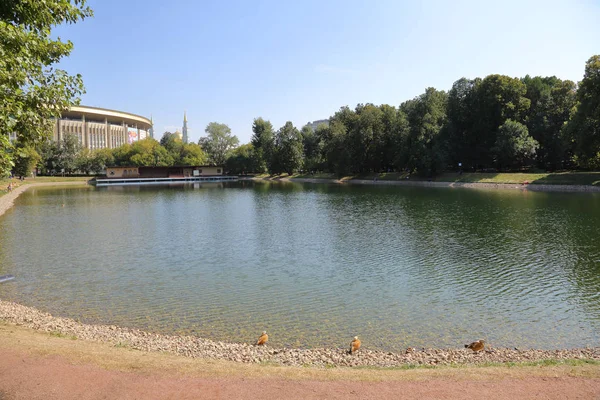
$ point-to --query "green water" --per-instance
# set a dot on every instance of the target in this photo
(314, 265)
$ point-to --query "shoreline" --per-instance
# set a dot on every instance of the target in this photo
(469, 185)
(8, 200)
(37, 365)
(196, 347)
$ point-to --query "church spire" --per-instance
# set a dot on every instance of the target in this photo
(184, 130)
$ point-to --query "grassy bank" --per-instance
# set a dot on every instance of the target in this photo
(558, 178)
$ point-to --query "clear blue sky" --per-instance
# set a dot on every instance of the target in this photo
(299, 61)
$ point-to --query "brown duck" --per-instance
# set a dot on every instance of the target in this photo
(355, 345)
(264, 338)
(476, 346)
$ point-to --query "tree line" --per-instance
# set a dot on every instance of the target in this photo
(494, 123)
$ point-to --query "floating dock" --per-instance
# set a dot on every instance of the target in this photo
(158, 181)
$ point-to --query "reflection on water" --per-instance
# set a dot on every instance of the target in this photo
(313, 264)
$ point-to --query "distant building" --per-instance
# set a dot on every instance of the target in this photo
(101, 128)
(178, 136)
(163, 172)
(314, 124)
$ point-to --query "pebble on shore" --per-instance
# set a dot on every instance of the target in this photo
(191, 346)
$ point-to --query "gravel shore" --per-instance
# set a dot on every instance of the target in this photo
(196, 347)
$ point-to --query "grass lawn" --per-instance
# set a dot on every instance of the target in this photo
(558, 178)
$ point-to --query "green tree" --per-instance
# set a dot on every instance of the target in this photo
(263, 141)
(584, 128)
(311, 143)
(32, 89)
(170, 142)
(365, 136)
(243, 160)
(84, 161)
(340, 141)
(192, 154)
(385, 146)
(149, 152)
(400, 139)
(288, 149)
(61, 155)
(552, 103)
(322, 133)
(514, 146)
(101, 158)
(461, 137)
(66, 154)
(6, 159)
(122, 155)
(48, 150)
(335, 149)
(426, 116)
(26, 158)
(499, 98)
(218, 142)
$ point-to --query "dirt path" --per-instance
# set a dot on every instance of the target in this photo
(30, 377)
(35, 365)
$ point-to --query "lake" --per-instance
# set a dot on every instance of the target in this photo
(313, 264)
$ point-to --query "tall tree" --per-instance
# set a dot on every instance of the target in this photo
(335, 149)
(32, 89)
(6, 159)
(499, 98)
(66, 154)
(288, 149)
(460, 135)
(365, 136)
(385, 147)
(585, 126)
(552, 103)
(311, 144)
(426, 116)
(169, 141)
(26, 158)
(218, 142)
(341, 141)
(243, 160)
(514, 146)
(192, 154)
(263, 141)
(400, 140)
(149, 152)
(101, 159)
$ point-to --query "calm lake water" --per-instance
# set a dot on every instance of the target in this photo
(313, 265)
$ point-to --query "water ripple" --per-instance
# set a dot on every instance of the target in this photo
(314, 265)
